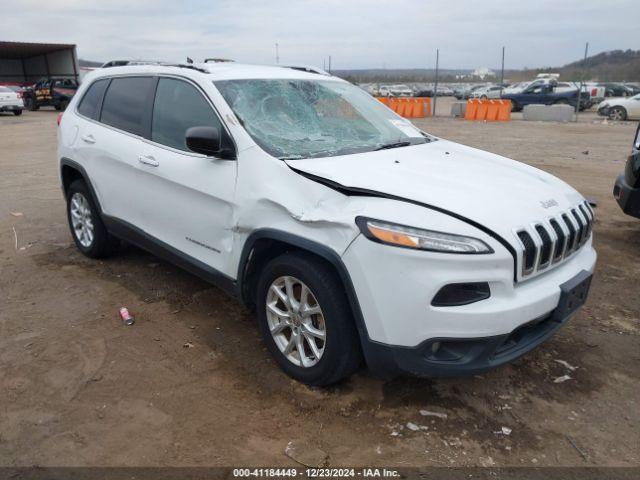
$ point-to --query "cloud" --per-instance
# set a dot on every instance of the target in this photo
(403, 33)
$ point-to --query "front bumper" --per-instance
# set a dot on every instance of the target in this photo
(395, 288)
(627, 197)
(467, 356)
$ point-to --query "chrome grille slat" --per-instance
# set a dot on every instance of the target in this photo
(545, 244)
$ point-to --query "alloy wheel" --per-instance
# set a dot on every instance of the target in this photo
(296, 321)
(81, 219)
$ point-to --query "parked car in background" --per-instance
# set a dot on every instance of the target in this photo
(615, 90)
(454, 261)
(626, 190)
(10, 101)
(467, 92)
(490, 91)
(395, 91)
(596, 92)
(423, 91)
(633, 87)
(545, 94)
(55, 92)
(444, 91)
(622, 108)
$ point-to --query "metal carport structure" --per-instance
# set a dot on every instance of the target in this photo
(26, 63)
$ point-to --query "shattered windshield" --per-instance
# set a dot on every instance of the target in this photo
(292, 119)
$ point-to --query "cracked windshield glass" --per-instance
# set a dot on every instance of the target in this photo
(293, 119)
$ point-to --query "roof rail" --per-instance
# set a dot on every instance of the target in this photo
(308, 69)
(218, 60)
(120, 63)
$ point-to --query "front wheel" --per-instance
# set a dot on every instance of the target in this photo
(17, 112)
(618, 113)
(88, 231)
(306, 320)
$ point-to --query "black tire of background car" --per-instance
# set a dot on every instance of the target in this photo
(17, 112)
(342, 355)
(514, 106)
(31, 103)
(104, 244)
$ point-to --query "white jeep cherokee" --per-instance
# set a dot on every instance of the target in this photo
(349, 231)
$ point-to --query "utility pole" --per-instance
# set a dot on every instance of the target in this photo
(435, 88)
(502, 74)
(277, 55)
(584, 68)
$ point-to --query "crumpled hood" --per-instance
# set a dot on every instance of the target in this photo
(496, 192)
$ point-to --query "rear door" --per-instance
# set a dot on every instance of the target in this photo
(110, 138)
(187, 199)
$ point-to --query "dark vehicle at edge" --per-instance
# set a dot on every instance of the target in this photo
(56, 92)
(545, 94)
(626, 190)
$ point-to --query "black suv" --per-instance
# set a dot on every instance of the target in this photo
(56, 92)
(627, 188)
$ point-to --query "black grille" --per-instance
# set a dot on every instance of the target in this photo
(545, 251)
(557, 252)
(572, 232)
(589, 221)
(581, 227)
(529, 254)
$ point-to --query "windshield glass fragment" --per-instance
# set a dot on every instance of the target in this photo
(294, 119)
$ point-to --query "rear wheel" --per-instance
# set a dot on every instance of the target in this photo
(88, 231)
(62, 105)
(30, 103)
(306, 320)
(618, 113)
(17, 112)
(514, 106)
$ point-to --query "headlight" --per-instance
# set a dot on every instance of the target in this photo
(419, 239)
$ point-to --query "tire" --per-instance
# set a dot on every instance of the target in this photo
(31, 104)
(340, 355)
(562, 101)
(17, 113)
(62, 105)
(82, 212)
(514, 106)
(483, 97)
(618, 113)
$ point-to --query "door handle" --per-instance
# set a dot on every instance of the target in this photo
(148, 160)
(88, 139)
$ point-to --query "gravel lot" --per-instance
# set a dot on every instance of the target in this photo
(79, 388)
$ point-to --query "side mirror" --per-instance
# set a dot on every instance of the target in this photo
(208, 141)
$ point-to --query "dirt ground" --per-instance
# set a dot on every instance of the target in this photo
(78, 388)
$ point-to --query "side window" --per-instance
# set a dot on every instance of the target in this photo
(179, 106)
(125, 104)
(92, 99)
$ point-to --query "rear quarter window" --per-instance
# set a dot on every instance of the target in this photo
(92, 100)
(127, 102)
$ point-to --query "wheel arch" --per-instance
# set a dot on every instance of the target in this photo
(264, 244)
(70, 171)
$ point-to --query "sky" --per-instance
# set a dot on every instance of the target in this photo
(357, 34)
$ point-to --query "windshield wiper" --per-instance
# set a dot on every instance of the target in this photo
(387, 146)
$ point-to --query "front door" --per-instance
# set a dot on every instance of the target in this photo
(186, 200)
